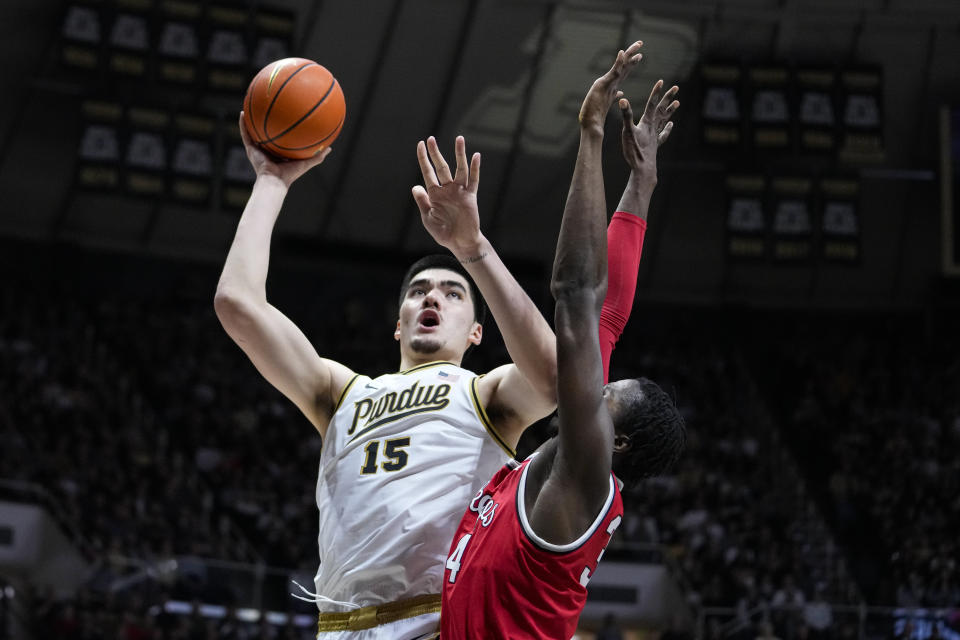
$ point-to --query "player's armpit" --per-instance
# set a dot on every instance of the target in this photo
(511, 402)
(284, 356)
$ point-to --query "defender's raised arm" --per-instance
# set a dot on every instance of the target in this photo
(532, 538)
(579, 285)
(639, 143)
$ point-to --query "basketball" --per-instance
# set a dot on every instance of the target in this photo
(294, 108)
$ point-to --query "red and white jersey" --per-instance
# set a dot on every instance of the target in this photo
(503, 581)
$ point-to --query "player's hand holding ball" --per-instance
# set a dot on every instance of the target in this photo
(293, 110)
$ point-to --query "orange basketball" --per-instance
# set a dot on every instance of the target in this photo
(294, 108)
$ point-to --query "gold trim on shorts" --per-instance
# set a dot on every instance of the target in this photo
(370, 617)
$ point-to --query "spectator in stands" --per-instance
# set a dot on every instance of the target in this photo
(752, 607)
(818, 615)
(906, 632)
(789, 595)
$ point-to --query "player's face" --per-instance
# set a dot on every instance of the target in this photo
(436, 316)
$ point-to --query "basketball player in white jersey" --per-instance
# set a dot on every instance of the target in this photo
(402, 453)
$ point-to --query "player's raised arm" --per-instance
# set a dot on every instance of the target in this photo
(579, 285)
(625, 233)
(278, 349)
(518, 394)
(578, 482)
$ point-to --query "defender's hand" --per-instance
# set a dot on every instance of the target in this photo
(286, 170)
(448, 204)
(605, 89)
(641, 140)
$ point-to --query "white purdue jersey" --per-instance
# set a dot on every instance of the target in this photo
(403, 455)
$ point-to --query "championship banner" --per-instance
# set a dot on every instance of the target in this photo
(840, 222)
(746, 222)
(146, 156)
(721, 104)
(238, 175)
(792, 226)
(98, 164)
(227, 52)
(274, 28)
(769, 106)
(129, 44)
(179, 43)
(862, 116)
(82, 35)
(816, 110)
(192, 160)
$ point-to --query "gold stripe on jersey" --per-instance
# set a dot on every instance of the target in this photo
(485, 419)
(426, 366)
(370, 617)
(343, 394)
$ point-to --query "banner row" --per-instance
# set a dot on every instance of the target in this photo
(801, 111)
(195, 45)
(792, 219)
(183, 156)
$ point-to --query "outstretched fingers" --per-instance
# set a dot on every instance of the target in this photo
(422, 199)
(665, 110)
(627, 112)
(474, 182)
(463, 169)
(660, 108)
(652, 101)
(663, 135)
(625, 62)
(443, 169)
(617, 66)
(429, 176)
(632, 55)
(468, 174)
(668, 104)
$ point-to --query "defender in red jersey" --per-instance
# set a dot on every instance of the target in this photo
(530, 540)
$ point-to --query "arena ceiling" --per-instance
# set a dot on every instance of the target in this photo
(509, 75)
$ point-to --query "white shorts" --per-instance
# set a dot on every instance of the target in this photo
(424, 627)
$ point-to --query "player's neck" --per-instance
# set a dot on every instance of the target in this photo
(409, 362)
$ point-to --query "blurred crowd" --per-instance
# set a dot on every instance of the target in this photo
(92, 615)
(734, 513)
(876, 414)
(156, 438)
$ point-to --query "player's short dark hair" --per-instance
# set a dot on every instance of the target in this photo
(440, 261)
(657, 433)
